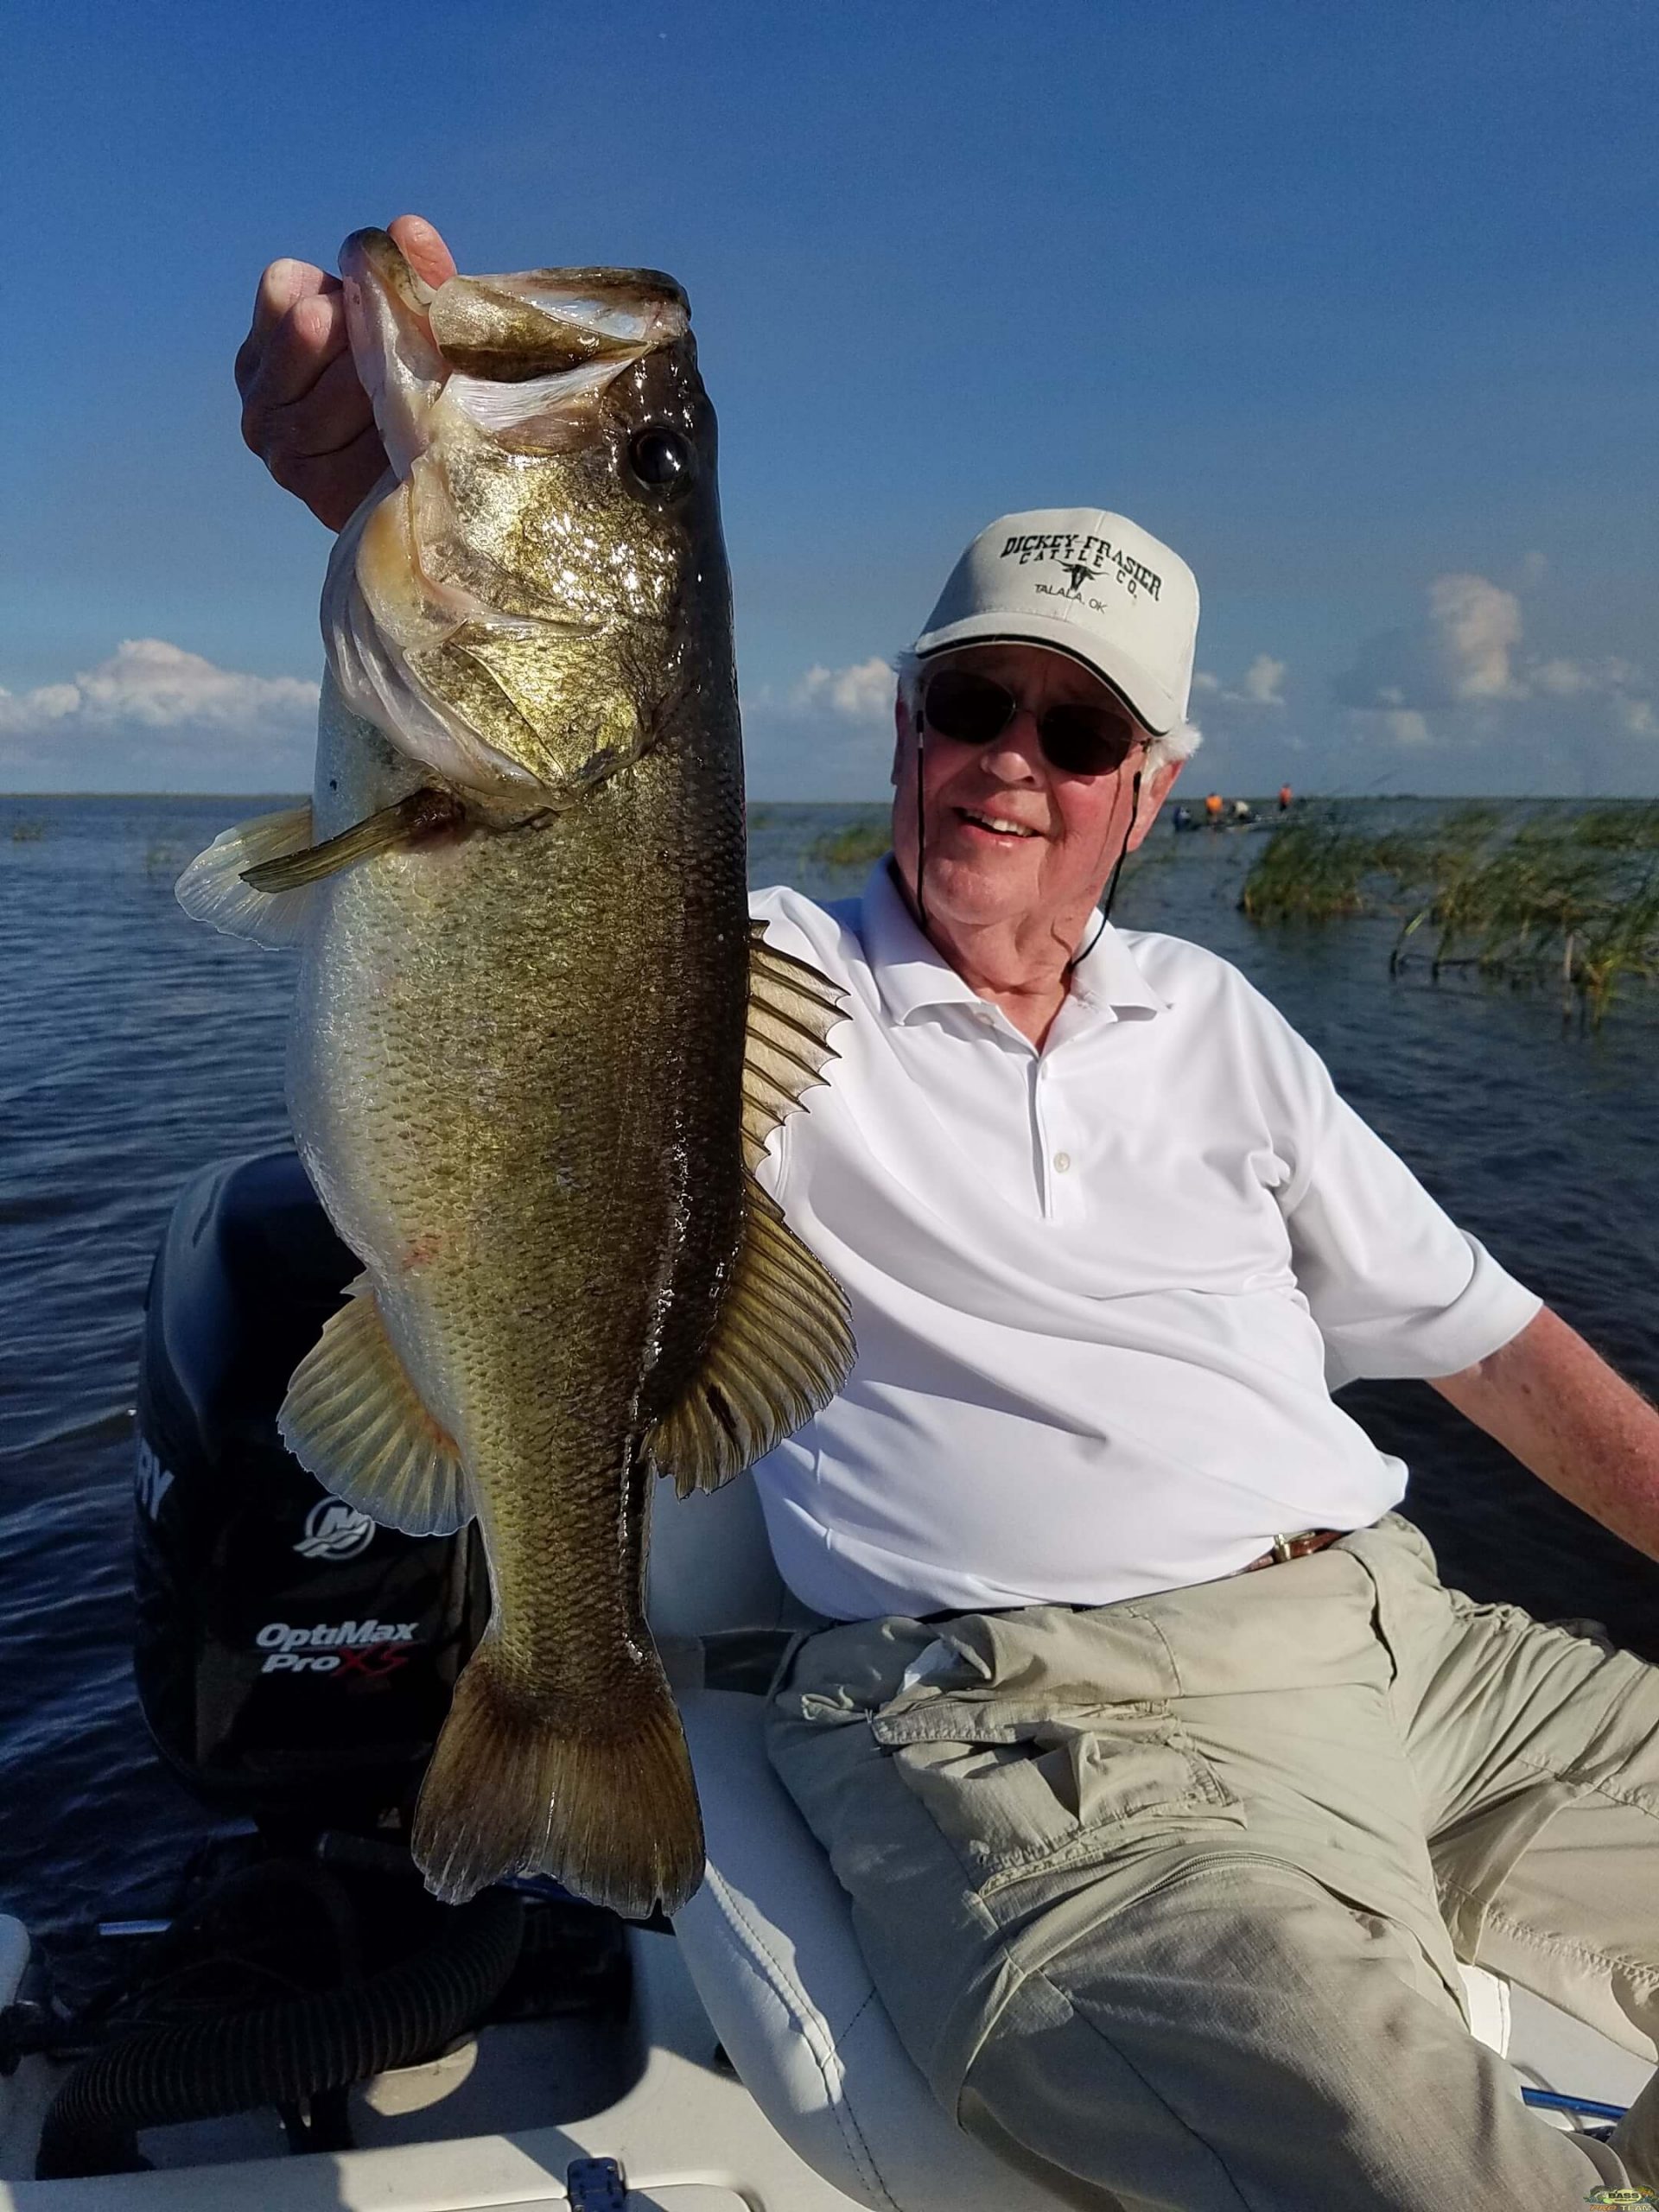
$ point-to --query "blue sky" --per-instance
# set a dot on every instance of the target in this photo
(1353, 306)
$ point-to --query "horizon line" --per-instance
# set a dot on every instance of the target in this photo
(756, 799)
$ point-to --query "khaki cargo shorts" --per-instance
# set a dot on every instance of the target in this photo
(1166, 1897)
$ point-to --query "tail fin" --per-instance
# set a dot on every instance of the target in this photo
(603, 1802)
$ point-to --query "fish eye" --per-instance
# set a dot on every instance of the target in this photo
(662, 460)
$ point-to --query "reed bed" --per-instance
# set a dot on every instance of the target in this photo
(1531, 901)
(858, 844)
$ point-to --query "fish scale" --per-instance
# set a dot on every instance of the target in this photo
(530, 1323)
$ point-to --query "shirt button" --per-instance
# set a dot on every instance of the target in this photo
(1062, 1161)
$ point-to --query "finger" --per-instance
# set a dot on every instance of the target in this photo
(319, 420)
(295, 352)
(421, 247)
(334, 485)
(281, 286)
(310, 338)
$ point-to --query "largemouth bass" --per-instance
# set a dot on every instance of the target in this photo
(537, 1045)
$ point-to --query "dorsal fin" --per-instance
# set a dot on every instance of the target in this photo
(793, 1008)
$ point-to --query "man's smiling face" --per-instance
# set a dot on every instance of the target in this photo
(1010, 838)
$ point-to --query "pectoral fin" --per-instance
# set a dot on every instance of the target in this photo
(213, 888)
(422, 814)
(353, 1418)
(781, 1349)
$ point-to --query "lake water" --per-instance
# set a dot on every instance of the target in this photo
(138, 1047)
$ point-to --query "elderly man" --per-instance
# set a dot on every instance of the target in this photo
(1167, 1780)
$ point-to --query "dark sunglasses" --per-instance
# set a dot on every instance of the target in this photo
(1080, 741)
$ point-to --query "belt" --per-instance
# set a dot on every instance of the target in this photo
(1281, 1550)
(1297, 1547)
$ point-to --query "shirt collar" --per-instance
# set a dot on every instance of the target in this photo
(912, 976)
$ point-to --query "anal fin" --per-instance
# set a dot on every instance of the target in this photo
(353, 1418)
(781, 1348)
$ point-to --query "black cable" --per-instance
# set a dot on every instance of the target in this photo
(1111, 881)
(921, 830)
(1122, 850)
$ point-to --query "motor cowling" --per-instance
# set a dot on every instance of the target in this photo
(291, 1657)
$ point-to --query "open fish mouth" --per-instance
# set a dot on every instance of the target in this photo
(552, 337)
(474, 603)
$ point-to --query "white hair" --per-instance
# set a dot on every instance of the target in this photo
(1174, 746)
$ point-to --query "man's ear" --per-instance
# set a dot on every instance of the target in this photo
(1154, 790)
(900, 738)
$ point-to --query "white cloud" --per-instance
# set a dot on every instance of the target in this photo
(1263, 683)
(1495, 685)
(155, 716)
(50, 704)
(1261, 686)
(1561, 679)
(1477, 626)
(1567, 679)
(1463, 675)
(826, 734)
(153, 685)
(1405, 725)
(862, 693)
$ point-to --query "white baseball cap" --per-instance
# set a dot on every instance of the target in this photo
(1085, 582)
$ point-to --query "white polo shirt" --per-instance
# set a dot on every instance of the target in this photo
(1101, 1292)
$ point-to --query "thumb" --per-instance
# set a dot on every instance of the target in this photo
(421, 247)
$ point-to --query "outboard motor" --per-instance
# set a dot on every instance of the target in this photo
(294, 1660)
(294, 1663)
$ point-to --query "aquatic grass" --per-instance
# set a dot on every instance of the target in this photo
(1525, 901)
(1622, 945)
(1313, 870)
(858, 844)
(1619, 829)
(27, 830)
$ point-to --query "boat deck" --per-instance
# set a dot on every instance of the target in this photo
(463, 2133)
